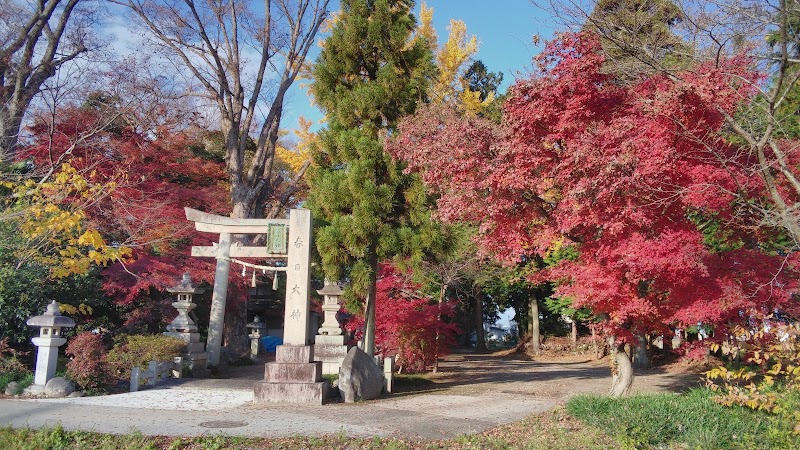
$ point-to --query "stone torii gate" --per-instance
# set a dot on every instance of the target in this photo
(294, 377)
(298, 268)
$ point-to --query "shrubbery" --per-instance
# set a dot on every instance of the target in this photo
(768, 377)
(408, 325)
(11, 368)
(139, 350)
(88, 366)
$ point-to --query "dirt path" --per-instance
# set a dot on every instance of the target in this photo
(472, 393)
(557, 378)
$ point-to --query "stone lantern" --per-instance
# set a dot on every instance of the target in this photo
(329, 346)
(185, 289)
(48, 341)
(183, 327)
(256, 327)
(330, 307)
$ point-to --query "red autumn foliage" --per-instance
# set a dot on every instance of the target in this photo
(620, 170)
(156, 177)
(407, 323)
(87, 366)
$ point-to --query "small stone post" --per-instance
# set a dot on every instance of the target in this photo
(48, 341)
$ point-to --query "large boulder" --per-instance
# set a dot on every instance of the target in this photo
(359, 377)
(58, 387)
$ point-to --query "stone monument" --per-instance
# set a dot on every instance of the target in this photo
(295, 377)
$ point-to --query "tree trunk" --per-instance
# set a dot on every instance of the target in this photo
(533, 324)
(595, 348)
(574, 335)
(641, 360)
(442, 291)
(369, 307)
(480, 333)
(621, 369)
(9, 133)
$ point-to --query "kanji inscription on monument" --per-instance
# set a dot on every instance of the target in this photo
(295, 324)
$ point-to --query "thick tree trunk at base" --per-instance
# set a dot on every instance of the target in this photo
(442, 291)
(533, 325)
(237, 343)
(621, 369)
(641, 360)
(595, 348)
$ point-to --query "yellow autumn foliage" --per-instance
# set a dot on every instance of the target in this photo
(770, 354)
(452, 59)
(53, 226)
(301, 154)
(425, 28)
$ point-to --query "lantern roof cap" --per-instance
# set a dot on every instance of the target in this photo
(51, 318)
(256, 323)
(186, 286)
(331, 289)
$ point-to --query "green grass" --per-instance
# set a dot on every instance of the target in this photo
(555, 431)
(691, 420)
(58, 439)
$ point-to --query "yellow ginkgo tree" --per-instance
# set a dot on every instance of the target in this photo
(452, 59)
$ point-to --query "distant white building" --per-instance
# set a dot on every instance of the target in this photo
(497, 334)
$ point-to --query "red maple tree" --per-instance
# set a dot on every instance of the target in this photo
(625, 171)
(155, 177)
(408, 325)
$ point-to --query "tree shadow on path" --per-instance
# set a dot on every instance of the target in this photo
(517, 374)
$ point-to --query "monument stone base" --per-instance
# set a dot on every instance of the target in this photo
(329, 349)
(294, 377)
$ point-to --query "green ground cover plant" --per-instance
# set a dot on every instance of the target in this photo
(691, 420)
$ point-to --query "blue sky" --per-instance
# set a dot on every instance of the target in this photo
(504, 29)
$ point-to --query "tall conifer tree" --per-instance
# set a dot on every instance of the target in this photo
(370, 74)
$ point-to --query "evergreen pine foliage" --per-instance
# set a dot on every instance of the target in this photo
(370, 74)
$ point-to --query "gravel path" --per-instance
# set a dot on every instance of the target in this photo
(471, 393)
